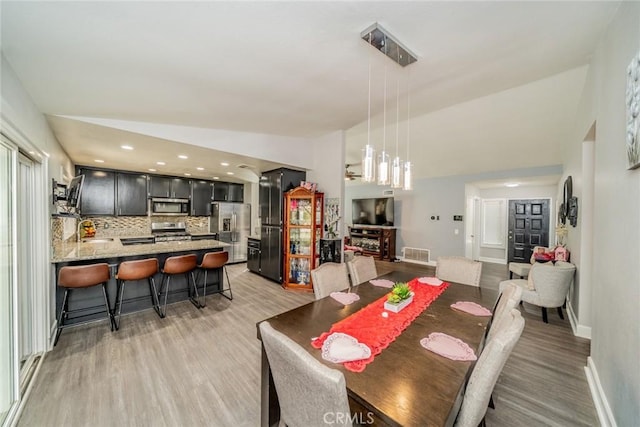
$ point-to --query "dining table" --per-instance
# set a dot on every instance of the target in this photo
(405, 384)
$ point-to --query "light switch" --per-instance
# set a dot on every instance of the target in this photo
(456, 231)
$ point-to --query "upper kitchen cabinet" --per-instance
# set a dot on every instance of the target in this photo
(228, 192)
(131, 195)
(236, 192)
(168, 187)
(201, 197)
(98, 192)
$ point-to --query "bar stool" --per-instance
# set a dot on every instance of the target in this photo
(79, 277)
(183, 264)
(214, 261)
(135, 270)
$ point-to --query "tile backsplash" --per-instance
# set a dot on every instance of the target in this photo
(64, 228)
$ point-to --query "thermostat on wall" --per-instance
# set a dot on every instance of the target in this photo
(457, 217)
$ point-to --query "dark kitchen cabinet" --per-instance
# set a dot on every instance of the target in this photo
(98, 192)
(228, 192)
(131, 195)
(273, 184)
(169, 187)
(201, 197)
(236, 193)
(220, 191)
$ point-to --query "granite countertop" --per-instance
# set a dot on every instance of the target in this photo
(111, 247)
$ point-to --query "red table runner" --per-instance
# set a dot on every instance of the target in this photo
(377, 332)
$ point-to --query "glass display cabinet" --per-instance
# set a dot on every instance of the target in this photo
(302, 233)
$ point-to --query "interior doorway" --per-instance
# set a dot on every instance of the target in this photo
(528, 227)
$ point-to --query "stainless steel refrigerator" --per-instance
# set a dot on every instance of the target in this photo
(232, 222)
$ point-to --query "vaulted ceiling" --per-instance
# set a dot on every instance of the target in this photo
(300, 68)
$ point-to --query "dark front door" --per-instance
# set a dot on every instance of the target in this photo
(528, 227)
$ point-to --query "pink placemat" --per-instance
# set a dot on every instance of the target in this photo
(345, 298)
(448, 346)
(383, 283)
(471, 308)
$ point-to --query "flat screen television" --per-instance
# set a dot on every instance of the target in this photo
(74, 191)
(373, 211)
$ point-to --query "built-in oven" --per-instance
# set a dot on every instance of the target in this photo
(164, 207)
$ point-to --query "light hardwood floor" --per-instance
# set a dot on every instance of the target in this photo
(202, 367)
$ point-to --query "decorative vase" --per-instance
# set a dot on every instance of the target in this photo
(397, 307)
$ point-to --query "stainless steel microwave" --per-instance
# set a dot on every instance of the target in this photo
(165, 207)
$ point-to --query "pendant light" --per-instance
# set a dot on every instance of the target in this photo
(383, 158)
(408, 181)
(368, 152)
(396, 168)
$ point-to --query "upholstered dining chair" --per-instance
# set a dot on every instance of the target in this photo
(329, 277)
(509, 299)
(307, 389)
(547, 286)
(458, 269)
(362, 269)
(487, 370)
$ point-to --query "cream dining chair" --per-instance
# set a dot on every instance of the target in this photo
(329, 277)
(487, 370)
(362, 269)
(509, 299)
(310, 393)
(459, 270)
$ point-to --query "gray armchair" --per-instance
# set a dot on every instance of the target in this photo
(547, 286)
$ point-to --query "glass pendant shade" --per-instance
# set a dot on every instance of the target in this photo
(396, 173)
(383, 168)
(408, 184)
(368, 163)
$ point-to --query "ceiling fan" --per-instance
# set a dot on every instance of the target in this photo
(350, 175)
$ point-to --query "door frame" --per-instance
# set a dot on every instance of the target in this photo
(42, 326)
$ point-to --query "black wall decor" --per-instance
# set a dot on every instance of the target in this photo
(569, 207)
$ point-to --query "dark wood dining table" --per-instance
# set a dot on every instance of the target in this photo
(405, 385)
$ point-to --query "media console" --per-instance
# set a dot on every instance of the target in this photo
(378, 242)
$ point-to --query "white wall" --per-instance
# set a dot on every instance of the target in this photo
(443, 197)
(615, 347)
(328, 171)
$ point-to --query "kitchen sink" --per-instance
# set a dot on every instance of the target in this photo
(127, 241)
(102, 240)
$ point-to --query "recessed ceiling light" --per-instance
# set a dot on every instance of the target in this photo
(99, 161)
(216, 177)
(511, 184)
(229, 173)
(152, 170)
(126, 147)
(187, 174)
(224, 164)
(160, 163)
(182, 156)
(200, 169)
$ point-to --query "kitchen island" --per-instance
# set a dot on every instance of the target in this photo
(111, 250)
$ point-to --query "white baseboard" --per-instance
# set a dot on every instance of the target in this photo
(493, 260)
(605, 416)
(578, 329)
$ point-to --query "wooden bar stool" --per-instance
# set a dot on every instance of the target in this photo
(135, 270)
(79, 277)
(214, 261)
(183, 264)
